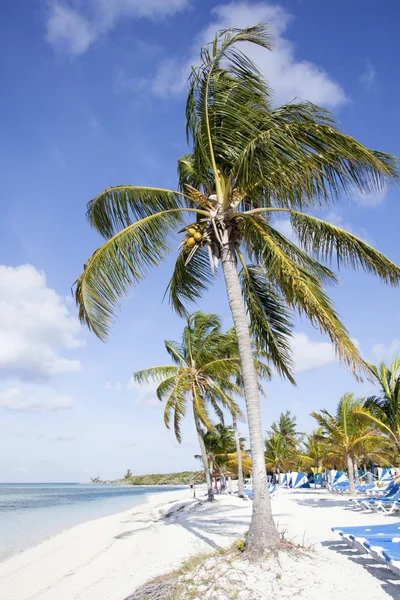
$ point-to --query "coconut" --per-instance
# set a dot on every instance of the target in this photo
(191, 231)
(198, 236)
(190, 242)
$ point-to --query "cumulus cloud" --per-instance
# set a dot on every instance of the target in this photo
(309, 355)
(35, 325)
(372, 199)
(144, 394)
(72, 26)
(385, 352)
(289, 76)
(46, 400)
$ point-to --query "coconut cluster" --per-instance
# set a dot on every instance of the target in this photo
(194, 235)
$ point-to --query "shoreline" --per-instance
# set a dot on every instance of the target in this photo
(58, 528)
(111, 557)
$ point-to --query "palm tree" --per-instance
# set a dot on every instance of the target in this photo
(128, 474)
(384, 410)
(346, 433)
(220, 446)
(250, 162)
(205, 360)
(279, 457)
(286, 428)
(238, 457)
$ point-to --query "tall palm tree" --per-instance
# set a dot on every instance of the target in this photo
(346, 433)
(205, 360)
(384, 410)
(249, 164)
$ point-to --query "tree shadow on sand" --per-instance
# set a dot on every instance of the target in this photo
(390, 584)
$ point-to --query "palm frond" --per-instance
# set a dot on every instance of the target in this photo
(118, 207)
(270, 322)
(297, 156)
(189, 280)
(329, 241)
(121, 262)
(155, 374)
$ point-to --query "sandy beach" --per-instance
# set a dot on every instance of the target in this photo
(108, 558)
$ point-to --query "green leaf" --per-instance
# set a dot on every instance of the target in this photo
(270, 321)
(329, 241)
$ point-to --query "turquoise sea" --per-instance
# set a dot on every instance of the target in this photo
(32, 512)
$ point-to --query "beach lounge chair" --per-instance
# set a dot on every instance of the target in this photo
(369, 501)
(349, 534)
(391, 554)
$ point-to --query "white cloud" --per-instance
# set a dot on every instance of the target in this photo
(372, 199)
(72, 26)
(309, 355)
(16, 399)
(385, 352)
(35, 324)
(145, 394)
(369, 75)
(288, 76)
(113, 386)
(63, 438)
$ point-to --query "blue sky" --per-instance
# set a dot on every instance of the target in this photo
(93, 95)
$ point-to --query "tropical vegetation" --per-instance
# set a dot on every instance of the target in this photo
(249, 164)
(205, 361)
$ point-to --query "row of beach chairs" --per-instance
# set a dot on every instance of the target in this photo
(381, 542)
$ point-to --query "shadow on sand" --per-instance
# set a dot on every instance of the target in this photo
(390, 584)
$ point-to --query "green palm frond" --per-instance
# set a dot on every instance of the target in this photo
(118, 207)
(175, 352)
(120, 263)
(189, 280)
(304, 293)
(258, 235)
(270, 322)
(326, 241)
(165, 388)
(155, 374)
(297, 156)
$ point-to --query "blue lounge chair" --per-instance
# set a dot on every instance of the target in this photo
(391, 554)
(349, 534)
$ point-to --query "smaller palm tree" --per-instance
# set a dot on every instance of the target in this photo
(220, 445)
(286, 427)
(346, 433)
(384, 410)
(205, 362)
(279, 457)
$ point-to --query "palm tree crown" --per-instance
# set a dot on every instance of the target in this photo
(204, 361)
(346, 433)
(384, 410)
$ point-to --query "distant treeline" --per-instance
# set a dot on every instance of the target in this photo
(183, 478)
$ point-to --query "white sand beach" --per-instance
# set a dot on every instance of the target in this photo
(108, 558)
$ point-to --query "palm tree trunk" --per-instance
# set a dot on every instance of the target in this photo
(263, 533)
(204, 458)
(355, 472)
(350, 469)
(239, 458)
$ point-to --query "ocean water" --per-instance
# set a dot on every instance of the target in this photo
(33, 512)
